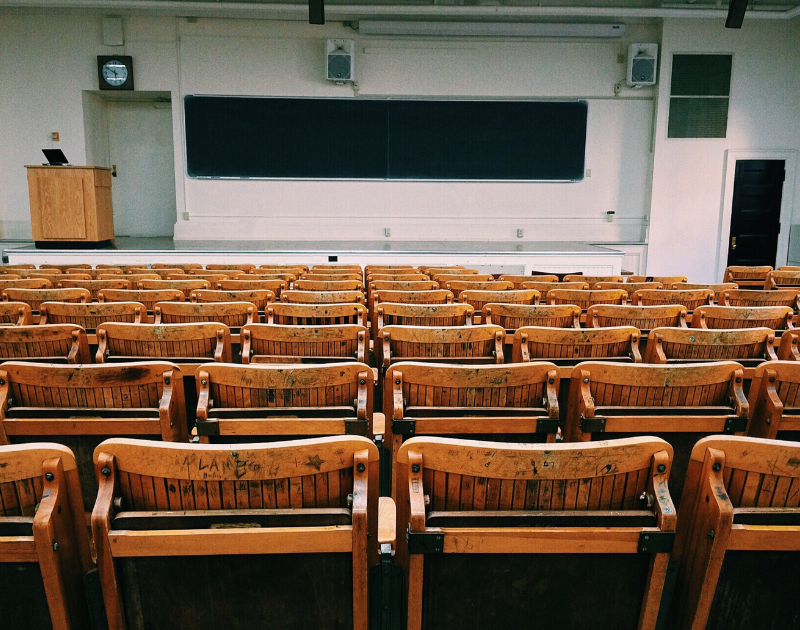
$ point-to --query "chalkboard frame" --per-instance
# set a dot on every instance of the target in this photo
(584, 133)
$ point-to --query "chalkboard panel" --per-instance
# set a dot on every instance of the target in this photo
(285, 137)
(308, 138)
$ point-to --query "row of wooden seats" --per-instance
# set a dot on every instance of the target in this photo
(205, 536)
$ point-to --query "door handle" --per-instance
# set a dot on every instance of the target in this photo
(733, 242)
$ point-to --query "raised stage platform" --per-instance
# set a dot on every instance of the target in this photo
(521, 257)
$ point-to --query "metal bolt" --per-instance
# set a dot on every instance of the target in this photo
(361, 468)
(771, 380)
(551, 381)
(49, 476)
(661, 468)
(106, 471)
(397, 382)
(234, 454)
(203, 382)
(415, 468)
(768, 421)
(646, 537)
(362, 382)
(738, 379)
(166, 381)
(711, 534)
(55, 546)
(716, 467)
(586, 380)
(2, 381)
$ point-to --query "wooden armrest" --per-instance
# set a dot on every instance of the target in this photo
(387, 522)
(378, 424)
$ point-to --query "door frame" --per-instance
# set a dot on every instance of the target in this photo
(789, 156)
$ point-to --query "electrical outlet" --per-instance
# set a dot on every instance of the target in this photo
(54, 136)
(185, 216)
(520, 232)
(387, 232)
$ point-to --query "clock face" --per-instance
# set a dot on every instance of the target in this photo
(115, 72)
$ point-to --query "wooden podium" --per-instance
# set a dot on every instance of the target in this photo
(71, 206)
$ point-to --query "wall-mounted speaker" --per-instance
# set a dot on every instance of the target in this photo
(340, 60)
(642, 64)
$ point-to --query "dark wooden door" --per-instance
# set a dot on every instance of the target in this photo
(756, 214)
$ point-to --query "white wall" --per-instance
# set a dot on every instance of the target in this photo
(764, 115)
(214, 56)
(47, 59)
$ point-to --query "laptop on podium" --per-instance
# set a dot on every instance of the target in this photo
(55, 157)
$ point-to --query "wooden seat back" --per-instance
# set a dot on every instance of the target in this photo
(513, 316)
(193, 342)
(10, 276)
(272, 401)
(297, 270)
(288, 278)
(399, 276)
(568, 346)
(275, 343)
(444, 278)
(665, 280)
(545, 287)
(585, 299)
(322, 297)
(148, 297)
(15, 314)
(133, 278)
(433, 270)
(206, 274)
(44, 547)
(775, 317)
(716, 288)
(516, 402)
(239, 266)
(261, 298)
(82, 266)
(479, 298)
(743, 491)
(755, 297)
(468, 344)
(187, 286)
(232, 314)
(457, 286)
(526, 526)
(779, 279)
(80, 405)
(316, 314)
(93, 286)
(187, 267)
(276, 286)
(435, 296)
(347, 268)
(161, 272)
(591, 280)
(332, 277)
(394, 314)
(642, 317)
(748, 346)
(403, 285)
(35, 297)
(328, 285)
(747, 277)
(18, 266)
(775, 401)
(91, 315)
(629, 287)
(94, 273)
(689, 298)
(197, 521)
(680, 403)
(25, 283)
(517, 280)
(213, 278)
(788, 349)
(54, 343)
(55, 278)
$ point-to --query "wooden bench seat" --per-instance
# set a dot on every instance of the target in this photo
(514, 316)
(316, 314)
(44, 546)
(194, 343)
(207, 536)
(441, 344)
(248, 402)
(260, 297)
(774, 317)
(276, 343)
(35, 297)
(506, 535)
(747, 346)
(15, 314)
(569, 346)
(48, 343)
(642, 317)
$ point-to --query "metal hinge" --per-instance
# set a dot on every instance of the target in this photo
(593, 425)
(424, 542)
(547, 425)
(355, 427)
(735, 424)
(404, 427)
(656, 542)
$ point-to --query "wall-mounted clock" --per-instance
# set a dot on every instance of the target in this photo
(115, 72)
